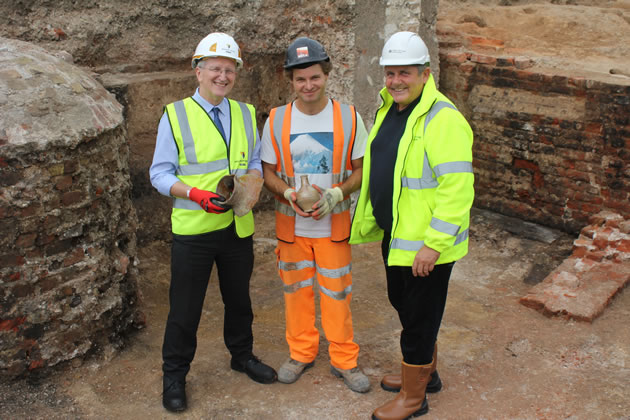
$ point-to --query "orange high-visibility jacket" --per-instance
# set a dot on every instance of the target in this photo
(344, 131)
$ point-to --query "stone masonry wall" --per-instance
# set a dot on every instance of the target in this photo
(549, 148)
(67, 223)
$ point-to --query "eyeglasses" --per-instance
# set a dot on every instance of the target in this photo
(218, 70)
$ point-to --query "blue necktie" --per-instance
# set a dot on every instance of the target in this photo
(217, 120)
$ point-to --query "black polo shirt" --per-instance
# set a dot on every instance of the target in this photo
(383, 151)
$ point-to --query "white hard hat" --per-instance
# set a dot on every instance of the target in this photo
(404, 49)
(217, 44)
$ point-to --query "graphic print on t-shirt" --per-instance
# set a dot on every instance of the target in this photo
(312, 153)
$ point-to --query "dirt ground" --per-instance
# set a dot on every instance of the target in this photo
(498, 359)
(584, 37)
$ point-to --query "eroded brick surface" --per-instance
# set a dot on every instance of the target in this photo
(66, 266)
(585, 283)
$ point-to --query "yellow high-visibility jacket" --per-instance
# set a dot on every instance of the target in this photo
(433, 182)
(204, 158)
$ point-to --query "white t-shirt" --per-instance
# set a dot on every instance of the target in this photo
(312, 154)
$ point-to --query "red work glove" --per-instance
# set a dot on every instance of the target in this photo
(209, 201)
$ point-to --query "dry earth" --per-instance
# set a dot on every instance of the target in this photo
(498, 359)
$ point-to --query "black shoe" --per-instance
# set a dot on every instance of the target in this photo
(174, 395)
(435, 383)
(256, 370)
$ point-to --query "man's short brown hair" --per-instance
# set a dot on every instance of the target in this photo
(326, 68)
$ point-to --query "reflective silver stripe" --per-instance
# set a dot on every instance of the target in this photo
(336, 295)
(290, 181)
(202, 168)
(419, 183)
(346, 120)
(444, 227)
(277, 133)
(292, 288)
(437, 107)
(452, 168)
(249, 129)
(184, 128)
(284, 208)
(182, 203)
(334, 273)
(293, 266)
(461, 237)
(406, 245)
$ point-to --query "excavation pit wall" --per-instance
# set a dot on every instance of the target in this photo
(549, 148)
(67, 276)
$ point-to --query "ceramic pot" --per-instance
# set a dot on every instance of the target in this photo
(241, 193)
(307, 195)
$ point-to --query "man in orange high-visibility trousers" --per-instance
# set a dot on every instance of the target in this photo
(324, 140)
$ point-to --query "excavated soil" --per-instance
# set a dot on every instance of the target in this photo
(498, 359)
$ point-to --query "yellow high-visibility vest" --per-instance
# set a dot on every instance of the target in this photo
(433, 182)
(205, 158)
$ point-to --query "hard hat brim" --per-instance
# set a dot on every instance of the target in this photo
(197, 59)
(402, 62)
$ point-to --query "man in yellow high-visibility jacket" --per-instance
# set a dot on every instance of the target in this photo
(200, 140)
(416, 196)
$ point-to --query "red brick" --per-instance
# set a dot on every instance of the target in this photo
(34, 253)
(594, 128)
(71, 197)
(36, 364)
(11, 260)
(22, 290)
(588, 231)
(70, 166)
(63, 182)
(14, 276)
(11, 324)
(76, 256)
(624, 245)
(596, 256)
(486, 42)
(457, 58)
(48, 283)
(523, 62)
(467, 67)
(483, 59)
(579, 251)
(30, 210)
(26, 240)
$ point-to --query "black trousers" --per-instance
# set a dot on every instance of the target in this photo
(420, 303)
(192, 258)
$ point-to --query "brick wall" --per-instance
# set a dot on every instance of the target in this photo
(548, 148)
(67, 223)
(67, 242)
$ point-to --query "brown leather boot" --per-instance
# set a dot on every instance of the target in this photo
(393, 382)
(411, 401)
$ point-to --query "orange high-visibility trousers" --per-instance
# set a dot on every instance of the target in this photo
(301, 264)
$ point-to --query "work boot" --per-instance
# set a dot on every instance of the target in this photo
(393, 382)
(291, 370)
(174, 394)
(412, 400)
(353, 378)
